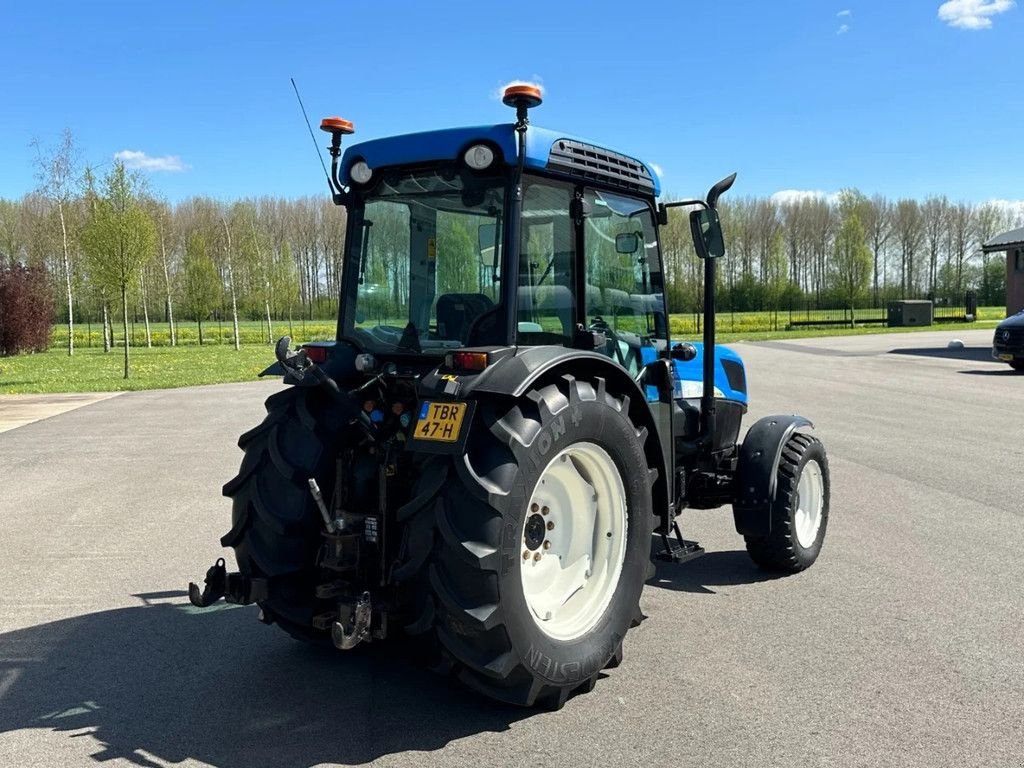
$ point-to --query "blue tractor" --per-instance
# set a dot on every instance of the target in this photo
(503, 430)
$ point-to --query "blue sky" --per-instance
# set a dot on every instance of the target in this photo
(806, 95)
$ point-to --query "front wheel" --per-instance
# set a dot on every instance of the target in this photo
(799, 513)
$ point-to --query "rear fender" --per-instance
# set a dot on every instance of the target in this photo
(514, 375)
(757, 472)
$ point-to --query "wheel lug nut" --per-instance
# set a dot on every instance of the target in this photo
(547, 545)
(543, 510)
(526, 555)
(551, 525)
(533, 507)
(536, 556)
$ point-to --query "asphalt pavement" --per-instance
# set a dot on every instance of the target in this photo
(902, 646)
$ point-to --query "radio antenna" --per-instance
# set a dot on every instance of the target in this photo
(311, 136)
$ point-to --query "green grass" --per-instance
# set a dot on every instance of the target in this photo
(216, 362)
(90, 370)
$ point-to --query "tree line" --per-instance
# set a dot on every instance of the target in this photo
(849, 250)
(113, 248)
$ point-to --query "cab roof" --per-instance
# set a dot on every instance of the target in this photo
(546, 150)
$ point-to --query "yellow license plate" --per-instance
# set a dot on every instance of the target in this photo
(1006, 357)
(440, 421)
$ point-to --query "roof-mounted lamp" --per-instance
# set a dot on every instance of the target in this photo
(524, 97)
(337, 127)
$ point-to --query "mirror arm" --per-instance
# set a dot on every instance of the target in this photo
(663, 208)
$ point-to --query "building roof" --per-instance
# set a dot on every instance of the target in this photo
(1012, 239)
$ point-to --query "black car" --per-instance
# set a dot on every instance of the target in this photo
(1008, 342)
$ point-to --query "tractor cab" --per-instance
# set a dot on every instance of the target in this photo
(449, 247)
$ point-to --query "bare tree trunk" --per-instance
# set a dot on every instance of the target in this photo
(266, 281)
(167, 288)
(145, 310)
(231, 284)
(107, 330)
(124, 317)
(67, 278)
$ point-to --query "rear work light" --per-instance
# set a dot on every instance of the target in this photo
(466, 361)
(316, 354)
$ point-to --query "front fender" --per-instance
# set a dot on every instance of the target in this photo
(757, 472)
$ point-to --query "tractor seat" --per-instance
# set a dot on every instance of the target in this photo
(457, 311)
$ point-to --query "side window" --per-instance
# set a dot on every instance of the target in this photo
(546, 264)
(624, 286)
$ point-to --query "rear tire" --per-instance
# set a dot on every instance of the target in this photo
(799, 514)
(1017, 365)
(275, 529)
(488, 621)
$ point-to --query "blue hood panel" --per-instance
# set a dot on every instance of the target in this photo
(730, 376)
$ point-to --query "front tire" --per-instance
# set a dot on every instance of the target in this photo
(799, 513)
(527, 605)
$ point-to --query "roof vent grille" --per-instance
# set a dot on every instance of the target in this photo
(596, 164)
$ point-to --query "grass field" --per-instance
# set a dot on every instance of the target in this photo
(90, 370)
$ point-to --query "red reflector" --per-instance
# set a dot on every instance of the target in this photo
(467, 361)
(316, 354)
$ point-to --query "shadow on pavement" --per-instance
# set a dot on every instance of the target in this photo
(1007, 371)
(977, 354)
(714, 569)
(214, 685)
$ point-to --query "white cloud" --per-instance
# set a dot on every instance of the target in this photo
(535, 80)
(843, 29)
(1013, 207)
(658, 170)
(972, 14)
(845, 12)
(136, 159)
(784, 196)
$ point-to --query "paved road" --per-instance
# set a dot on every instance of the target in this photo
(904, 645)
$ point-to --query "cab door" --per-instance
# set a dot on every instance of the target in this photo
(624, 296)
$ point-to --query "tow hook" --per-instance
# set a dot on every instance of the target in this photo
(233, 587)
(215, 586)
(346, 639)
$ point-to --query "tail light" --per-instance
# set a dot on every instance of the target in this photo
(466, 361)
(316, 354)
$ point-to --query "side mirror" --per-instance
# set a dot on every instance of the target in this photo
(707, 233)
(627, 242)
(685, 352)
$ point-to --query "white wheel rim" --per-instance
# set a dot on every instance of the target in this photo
(579, 508)
(810, 493)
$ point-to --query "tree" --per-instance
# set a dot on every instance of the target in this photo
(935, 213)
(57, 174)
(908, 226)
(27, 301)
(877, 221)
(229, 262)
(851, 261)
(166, 231)
(202, 288)
(119, 238)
